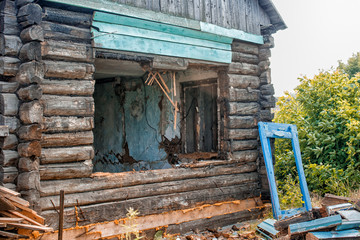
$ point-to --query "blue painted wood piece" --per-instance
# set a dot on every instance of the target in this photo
(287, 131)
(348, 225)
(347, 234)
(316, 224)
(267, 228)
(350, 215)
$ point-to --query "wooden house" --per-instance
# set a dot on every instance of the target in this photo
(144, 104)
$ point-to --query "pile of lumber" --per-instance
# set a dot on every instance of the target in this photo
(339, 218)
(17, 220)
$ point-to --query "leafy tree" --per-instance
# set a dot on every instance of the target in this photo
(326, 110)
(352, 67)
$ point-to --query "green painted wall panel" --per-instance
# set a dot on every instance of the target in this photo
(144, 45)
(144, 33)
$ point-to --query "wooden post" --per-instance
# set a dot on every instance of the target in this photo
(61, 215)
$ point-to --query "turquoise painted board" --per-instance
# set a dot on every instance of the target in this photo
(160, 27)
(316, 224)
(348, 234)
(144, 45)
(163, 36)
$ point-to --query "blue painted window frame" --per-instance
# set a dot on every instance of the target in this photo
(285, 131)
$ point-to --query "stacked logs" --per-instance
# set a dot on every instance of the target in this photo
(29, 77)
(67, 100)
(10, 45)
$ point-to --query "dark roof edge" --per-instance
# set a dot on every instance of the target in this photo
(277, 21)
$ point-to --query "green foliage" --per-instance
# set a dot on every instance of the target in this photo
(352, 67)
(326, 110)
(290, 195)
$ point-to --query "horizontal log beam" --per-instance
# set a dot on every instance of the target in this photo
(243, 95)
(68, 87)
(241, 122)
(63, 155)
(32, 33)
(9, 142)
(67, 106)
(67, 139)
(12, 122)
(67, 17)
(241, 134)
(30, 72)
(9, 104)
(9, 66)
(67, 124)
(243, 81)
(243, 47)
(69, 70)
(107, 181)
(64, 32)
(8, 87)
(9, 45)
(244, 68)
(66, 170)
(10, 174)
(8, 158)
(241, 108)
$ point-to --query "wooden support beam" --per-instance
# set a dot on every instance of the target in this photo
(69, 70)
(68, 87)
(63, 155)
(67, 124)
(67, 106)
(67, 139)
(66, 170)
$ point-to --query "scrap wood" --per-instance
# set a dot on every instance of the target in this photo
(330, 199)
(6, 204)
(357, 205)
(12, 235)
(283, 224)
(31, 227)
(317, 224)
(4, 190)
(346, 234)
(10, 220)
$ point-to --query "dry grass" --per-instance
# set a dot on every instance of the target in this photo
(355, 195)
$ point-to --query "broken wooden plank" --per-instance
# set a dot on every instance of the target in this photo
(330, 199)
(8, 191)
(12, 235)
(350, 215)
(13, 220)
(5, 204)
(283, 224)
(317, 224)
(346, 225)
(31, 227)
(332, 235)
(343, 206)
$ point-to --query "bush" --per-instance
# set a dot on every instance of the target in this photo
(326, 110)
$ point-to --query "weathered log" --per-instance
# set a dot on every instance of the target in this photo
(28, 181)
(32, 33)
(245, 58)
(73, 70)
(243, 95)
(1, 174)
(29, 164)
(244, 145)
(67, 17)
(267, 89)
(4, 131)
(171, 63)
(8, 7)
(153, 204)
(100, 181)
(154, 189)
(241, 134)
(66, 170)
(68, 87)
(264, 54)
(30, 132)
(243, 81)
(12, 122)
(244, 68)
(10, 174)
(8, 87)
(63, 155)
(265, 77)
(30, 51)
(67, 124)
(9, 45)
(264, 65)
(9, 104)
(67, 106)
(10, 186)
(268, 101)
(31, 112)
(20, 3)
(8, 24)
(238, 108)
(65, 32)
(32, 196)
(241, 122)
(29, 14)
(29, 149)
(8, 158)
(30, 72)
(67, 139)
(9, 66)
(60, 50)
(8, 143)
(246, 156)
(243, 47)
(32, 92)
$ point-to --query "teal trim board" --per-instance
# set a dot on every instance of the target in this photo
(136, 35)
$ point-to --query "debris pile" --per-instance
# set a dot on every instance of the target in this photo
(17, 220)
(338, 218)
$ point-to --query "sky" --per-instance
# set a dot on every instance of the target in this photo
(319, 33)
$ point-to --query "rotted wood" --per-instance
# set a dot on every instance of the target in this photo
(66, 171)
(9, 142)
(153, 204)
(100, 181)
(9, 66)
(64, 32)
(32, 92)
(67, 139)
(31, 112)
(29, 14)
(32, 33)
(282, 225)
(155, 189)
(9, 45)
(30, 72)
(68, 87)
(8, 24)
(30, 132)
(30, 149)
(31, 51)
(67, 124)
(243, 81)
(8, 158)
(61, 50)
(63, 155)
(12, 122)
(9, 104)
(65, 105)
(8, 87)
(10, 174)
(77, 19)
(69, 70)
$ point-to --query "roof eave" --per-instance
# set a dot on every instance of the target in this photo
(277, 22)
